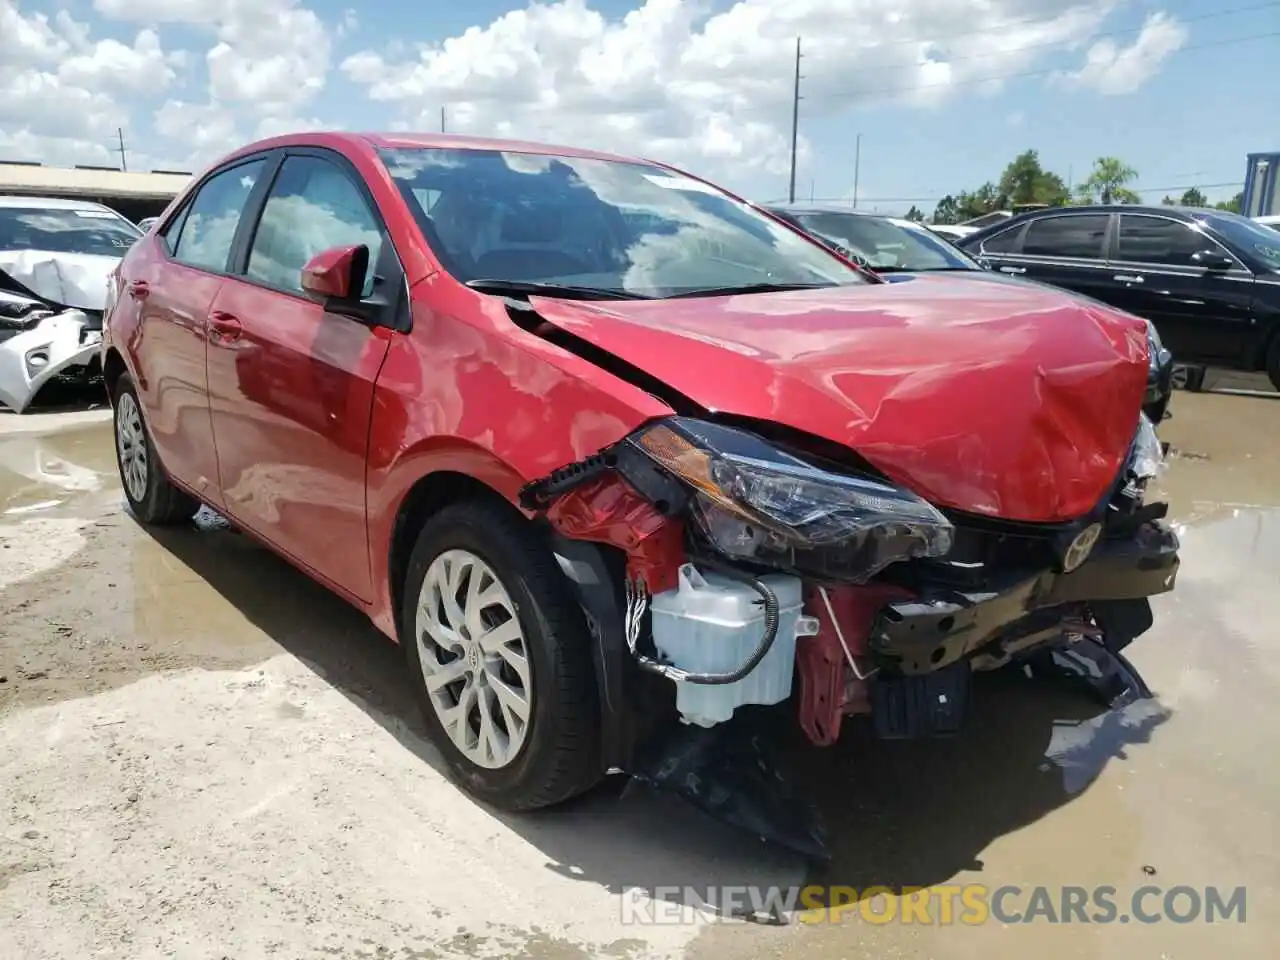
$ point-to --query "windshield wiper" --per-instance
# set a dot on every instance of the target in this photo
(748, 288)
(569, 292)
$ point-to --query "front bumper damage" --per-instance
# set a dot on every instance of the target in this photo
(31, 357)
(895, 620)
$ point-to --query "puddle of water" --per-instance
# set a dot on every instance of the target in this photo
(41, 472)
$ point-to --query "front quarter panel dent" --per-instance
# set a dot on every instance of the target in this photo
(482, 398)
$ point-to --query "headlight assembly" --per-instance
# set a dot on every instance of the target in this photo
(754, 501)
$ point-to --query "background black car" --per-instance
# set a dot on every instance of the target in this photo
(898, 249)
(1209, 280)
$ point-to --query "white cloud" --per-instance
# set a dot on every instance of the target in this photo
(110, 64)
(1111, 70)
(671, 80)
(687, 81)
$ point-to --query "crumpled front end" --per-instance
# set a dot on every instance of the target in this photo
(723, 566)
(38, 344)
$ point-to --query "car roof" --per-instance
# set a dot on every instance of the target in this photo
(1176, 212)
(340, 140)
(49, 203)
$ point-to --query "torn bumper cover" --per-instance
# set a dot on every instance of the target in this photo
(32, 354)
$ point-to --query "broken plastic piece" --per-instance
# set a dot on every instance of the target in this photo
(1087, 663)
(31, 357)
(731, 772)
(607, 510)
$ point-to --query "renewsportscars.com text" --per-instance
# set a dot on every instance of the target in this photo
(968, 904)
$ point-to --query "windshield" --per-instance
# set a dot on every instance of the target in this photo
(883, 243)
(1249, 236)
(606, 225)
(63, 230)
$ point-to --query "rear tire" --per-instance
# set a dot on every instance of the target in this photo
(1189, 377)
(1273, 361)
(488, 624)
(152, 498)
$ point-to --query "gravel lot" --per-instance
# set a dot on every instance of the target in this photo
(204, 755)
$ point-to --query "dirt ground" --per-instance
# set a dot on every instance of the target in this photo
(204, 755)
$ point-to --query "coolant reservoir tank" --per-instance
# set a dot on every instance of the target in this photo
(711, 623)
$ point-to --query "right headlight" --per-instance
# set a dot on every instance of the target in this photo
(750, 498)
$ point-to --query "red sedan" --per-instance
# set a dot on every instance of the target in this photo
(605, 448)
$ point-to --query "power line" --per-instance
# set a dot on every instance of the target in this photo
(936, 197)
(1035, 21)
(1101, 35)
(1040, 73)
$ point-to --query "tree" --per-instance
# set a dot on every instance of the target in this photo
(946, 210)
(1193, 198)
(1106, 182)
(1168, 201)
(983, 200)
(1025, 181)
(915, 214)
(1234, 205)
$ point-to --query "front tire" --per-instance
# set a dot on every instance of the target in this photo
(501, 659)
(152, 498)
(1189, 377)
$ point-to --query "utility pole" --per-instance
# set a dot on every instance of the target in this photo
(120, 135)
(857, 164)
(442, 119)
(795, 123)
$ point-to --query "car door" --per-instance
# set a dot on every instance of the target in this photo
(291, 382)
(1066, 250)
(173, 292)
(1202, 314)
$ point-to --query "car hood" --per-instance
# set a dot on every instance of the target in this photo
(1000, 399)
(76, 280)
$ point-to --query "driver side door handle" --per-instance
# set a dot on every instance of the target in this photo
(224, 326)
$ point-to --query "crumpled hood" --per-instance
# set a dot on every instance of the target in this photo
(68, 279)
(1000, 399)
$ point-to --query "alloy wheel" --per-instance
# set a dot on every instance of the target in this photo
(474, 659)
(131, 447)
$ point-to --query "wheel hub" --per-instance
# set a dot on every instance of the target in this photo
(474, 659)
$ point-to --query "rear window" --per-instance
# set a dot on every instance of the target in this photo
(60, 230)
(1075, 235)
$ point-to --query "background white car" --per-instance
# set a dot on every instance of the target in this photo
(55, 260)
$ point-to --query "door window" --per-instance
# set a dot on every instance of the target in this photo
(209, 226)
(1159, 240)
(1004, 242)
(1079, 236)
(313, 206)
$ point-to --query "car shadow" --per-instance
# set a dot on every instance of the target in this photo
(899, 813)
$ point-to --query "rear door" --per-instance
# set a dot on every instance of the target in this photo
(1202, 315)
(173, 289)
(291, 384)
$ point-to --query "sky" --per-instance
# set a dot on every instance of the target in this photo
(930, 96)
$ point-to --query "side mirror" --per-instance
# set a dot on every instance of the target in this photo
(1213, 260)
(337, 275)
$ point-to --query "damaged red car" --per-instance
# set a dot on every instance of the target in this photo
(624, 464)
